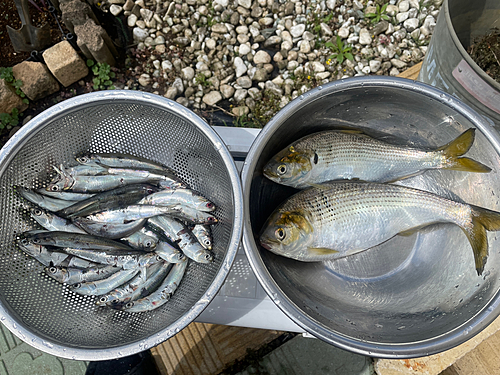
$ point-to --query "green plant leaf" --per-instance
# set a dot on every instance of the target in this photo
(14, 112)
(26, 101)
(90, 63)
(385, 17)
(349, 56)
(329, 45)
(111, 87)
(95, 70)
(96, 81)
(112, 74)
(383, 8)
(107, 83)
(369, 15)
(340, 58)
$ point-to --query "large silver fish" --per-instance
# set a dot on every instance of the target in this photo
(338, 155)
(342, 218)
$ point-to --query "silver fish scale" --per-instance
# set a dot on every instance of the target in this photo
(345, 214)
(365, 158)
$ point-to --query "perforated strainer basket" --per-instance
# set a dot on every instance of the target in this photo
(46, 314)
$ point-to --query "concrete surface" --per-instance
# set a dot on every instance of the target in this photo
(309, 356)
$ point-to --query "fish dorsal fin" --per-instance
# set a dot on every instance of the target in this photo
(321, 251)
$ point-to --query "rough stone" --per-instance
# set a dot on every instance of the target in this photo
(244, 81)
(239, 66)
(188, 73)
(298, 30)
(410, 24)
(95, 43)
(401, 17)
(272, 41)
(262, 57)
(9, 99)
(343, 32)
(364, 37)
(219, 28)
(131, 20)
(241, 110)
(245, 3)
(139, 34)
(398, 63)
(171, 93)
(37, 80)
(240, 95)
(374, 65)
(404, 6)
(260, 75)
(212, 98)
(227, 91)
(129, 5)
(64, 63)
(244, 49)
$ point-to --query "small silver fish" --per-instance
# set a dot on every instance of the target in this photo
(138, 287)
(163, 293)
(337, 155)
(183, 237)
(53, 222)
(103, 286)
(108, 230)
(182, 197)
(131, 213)
(142, 240)
(202, 233)
(76, 275)
(169, 253)
(43, 201)
(342, 218)
(117, 258)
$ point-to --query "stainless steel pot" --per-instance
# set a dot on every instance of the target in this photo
(46, 314)
(411, 296)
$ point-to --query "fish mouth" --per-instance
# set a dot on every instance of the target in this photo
(265, 246)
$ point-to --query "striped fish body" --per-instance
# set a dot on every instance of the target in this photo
(342, 218)
(338, 155)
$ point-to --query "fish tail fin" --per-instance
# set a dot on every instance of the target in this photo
(482, 220)
(458, 147)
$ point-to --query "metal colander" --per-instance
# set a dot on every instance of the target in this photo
(46, 314)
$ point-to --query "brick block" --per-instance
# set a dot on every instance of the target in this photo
(64, 63)
(9, 99)
(37, 80)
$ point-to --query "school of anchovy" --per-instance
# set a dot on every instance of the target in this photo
(118, 227)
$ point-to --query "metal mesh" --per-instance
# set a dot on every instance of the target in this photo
(50, 309)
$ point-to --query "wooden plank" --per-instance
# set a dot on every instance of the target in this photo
(203, 349)
(411, 73)
(483, 360)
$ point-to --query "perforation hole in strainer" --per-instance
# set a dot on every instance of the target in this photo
(51, 309)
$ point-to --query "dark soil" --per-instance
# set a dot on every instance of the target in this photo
(10, 17)
(486, 53)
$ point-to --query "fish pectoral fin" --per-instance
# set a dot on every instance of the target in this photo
(321, 251)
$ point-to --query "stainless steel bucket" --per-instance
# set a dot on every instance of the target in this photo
(411, 296)
(46, 314)
(448, 66)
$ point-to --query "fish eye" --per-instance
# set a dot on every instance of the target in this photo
(24, 241)
(82, 159)
(54, 188)
(148, 243)
(208, 242)
(282, 169)
(210, 205)
(129, 305)
(280, 234)
(77, 286)
(36, 240)
(53, 270)
(103, 299)
(37, 212)
(208, 257)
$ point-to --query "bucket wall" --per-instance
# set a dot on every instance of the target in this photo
(449, 67)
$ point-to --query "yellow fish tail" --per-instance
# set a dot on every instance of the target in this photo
(458, 147)
(482, 220)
